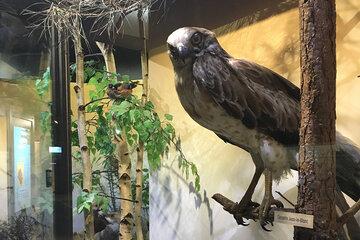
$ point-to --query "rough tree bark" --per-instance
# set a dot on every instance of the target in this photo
(81, 121)
(317, 171)
(125, 214)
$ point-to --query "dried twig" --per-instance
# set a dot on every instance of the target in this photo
(107, 16)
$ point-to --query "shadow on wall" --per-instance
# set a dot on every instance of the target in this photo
(200, 198)
(345, 52)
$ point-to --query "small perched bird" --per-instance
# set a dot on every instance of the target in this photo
(121, 90)
(249, 106)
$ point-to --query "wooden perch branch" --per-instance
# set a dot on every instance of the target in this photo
(250, 213)
(348, 214)
(225, 202)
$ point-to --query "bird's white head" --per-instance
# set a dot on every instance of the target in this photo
(187, 43)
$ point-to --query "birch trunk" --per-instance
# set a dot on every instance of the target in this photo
(139, 188)
(140, 157)
(85, 154)
(107, 52)
(126, 207)
(125, 214)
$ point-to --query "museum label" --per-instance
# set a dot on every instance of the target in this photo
(295, 219)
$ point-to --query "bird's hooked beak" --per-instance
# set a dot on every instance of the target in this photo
(179, 53)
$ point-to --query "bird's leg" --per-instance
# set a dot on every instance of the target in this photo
(268, 200)
(246, 201)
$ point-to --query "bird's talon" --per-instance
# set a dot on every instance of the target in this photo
(245, 224)
(247, 207)
(254, 204)
(264, 209)
(263, 227)
(240, 220)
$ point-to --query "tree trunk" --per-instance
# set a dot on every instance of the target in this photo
(139, 188)
(107, 52)
(144, 55)
(317, 169)
(85, 154)
(140, 158)
(126, 207)
(125, 214)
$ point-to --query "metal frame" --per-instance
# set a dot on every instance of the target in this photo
(61, 126)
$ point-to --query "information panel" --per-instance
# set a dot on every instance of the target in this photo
(22, 168)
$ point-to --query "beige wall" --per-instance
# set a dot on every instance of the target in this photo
(3, 167)
(178, 214)
(18, 100)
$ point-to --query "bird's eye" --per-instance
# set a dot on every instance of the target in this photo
(196, 39)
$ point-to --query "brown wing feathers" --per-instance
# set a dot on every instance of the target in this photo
(262, 99)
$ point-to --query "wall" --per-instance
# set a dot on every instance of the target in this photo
(3, 166)
(19, 101)
(176, 211)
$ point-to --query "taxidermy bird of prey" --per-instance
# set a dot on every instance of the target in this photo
(249, 106)
(120, 90)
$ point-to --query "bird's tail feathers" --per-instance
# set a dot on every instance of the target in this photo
(348, 167)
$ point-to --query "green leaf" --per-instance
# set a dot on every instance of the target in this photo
(87, 206)
(147, 114)
(122, 108)
(169, 129)
(193, 169)
(42, 84)
(135, 115)
(90, 198)
(149, 105)
(148, 124)
(92, 95)
(80, 208)
(125, 78)
(45, 123)
(168, 117)
(93, 81)
(197, 183)
(105, 205)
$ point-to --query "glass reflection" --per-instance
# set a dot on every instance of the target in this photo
(26, 195)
